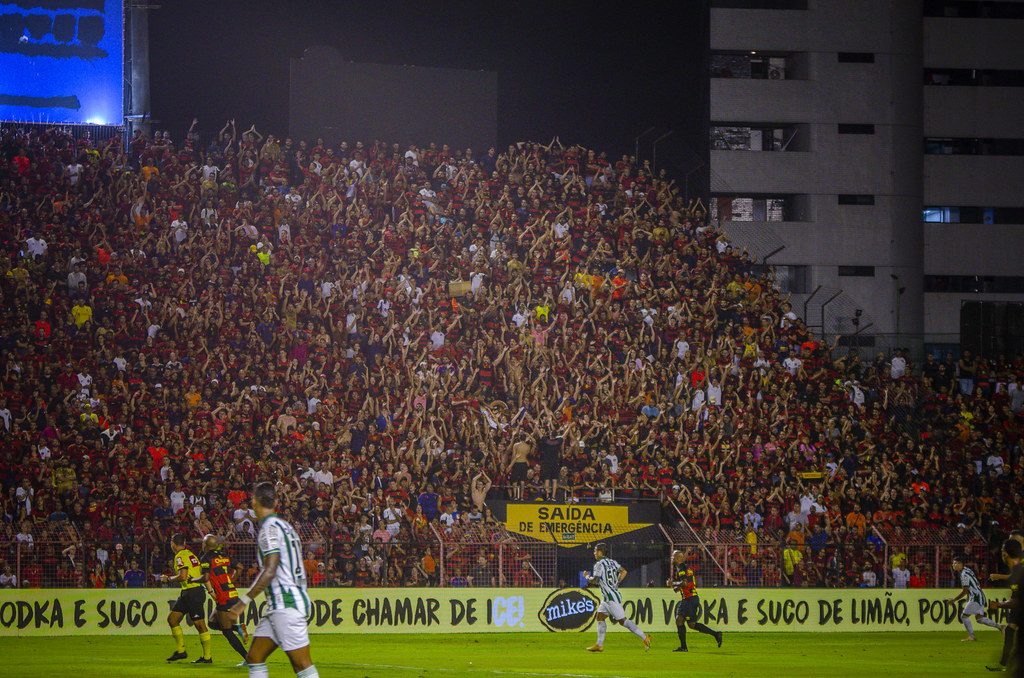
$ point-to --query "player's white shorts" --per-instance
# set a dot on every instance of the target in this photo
(613, 610)
(973, 608)
(287, 628)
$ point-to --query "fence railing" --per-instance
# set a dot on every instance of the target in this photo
(490, 555)
(753, 559)
(486, 554)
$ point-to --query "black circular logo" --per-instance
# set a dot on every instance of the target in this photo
(569, 609)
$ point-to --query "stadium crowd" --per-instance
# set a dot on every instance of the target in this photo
(398, 334)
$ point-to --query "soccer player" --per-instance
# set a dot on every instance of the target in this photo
(686, 609)
(218, 575)
(283, 578)
(190, 602)
(608, 574)
(1013, 556)
(976, 602)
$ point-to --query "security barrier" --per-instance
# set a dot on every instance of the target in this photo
(49, 612)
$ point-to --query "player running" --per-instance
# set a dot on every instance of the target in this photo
(218, 573)
(609, 574)
(283, 578)
(688, 608)
(190, 602)
(976, 603)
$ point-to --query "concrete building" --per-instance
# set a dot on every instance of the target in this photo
(874, 152)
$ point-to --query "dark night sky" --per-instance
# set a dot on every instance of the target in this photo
(596, 74)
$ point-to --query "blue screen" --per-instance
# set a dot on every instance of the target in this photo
(61, 61)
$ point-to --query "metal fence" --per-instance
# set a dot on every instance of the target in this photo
(758, 559)
(479, 554)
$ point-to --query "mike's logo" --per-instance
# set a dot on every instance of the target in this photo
(568, 610)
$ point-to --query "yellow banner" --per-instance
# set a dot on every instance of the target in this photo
(49, 612)
(569, 525)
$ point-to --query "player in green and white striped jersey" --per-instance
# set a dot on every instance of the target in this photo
(608, 574)
(976, 603)
(283, 579)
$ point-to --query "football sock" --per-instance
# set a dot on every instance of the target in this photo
(634, 628)
(1008, 637)
(703, 629)
(234, 637)
(204, 638)
(988, 622)
(601, 626)
(967, 623)
(309, 672)
(681, 632)
(258, 671)
(179, 638)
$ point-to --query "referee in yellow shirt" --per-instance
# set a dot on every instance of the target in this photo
(191, 602)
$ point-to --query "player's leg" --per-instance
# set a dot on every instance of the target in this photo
(204, 638)
(698, 626)
(965, 619)
(970, 608)
(681, 625)
(618, 615)
(259, 650)
(231, 632)
(302, 663)
(681, 632)
(174, 621)
(1009, 634)
(293, 634)
(984, 619)
(602, 626)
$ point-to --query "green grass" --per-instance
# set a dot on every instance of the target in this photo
(762, 655)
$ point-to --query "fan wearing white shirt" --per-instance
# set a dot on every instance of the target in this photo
(900, 576)
(792, 363)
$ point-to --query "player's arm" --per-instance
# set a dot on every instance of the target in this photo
(622, 574)
(591, 578)
(267, 574)
(678, 584)
(182, 576)
(1007, 604)
(963, 592)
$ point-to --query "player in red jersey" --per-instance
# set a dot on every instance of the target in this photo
(687, 609)
(218, 572)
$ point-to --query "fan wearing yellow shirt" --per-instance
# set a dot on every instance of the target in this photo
(191, 602)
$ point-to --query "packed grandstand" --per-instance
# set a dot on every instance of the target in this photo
(377, 327)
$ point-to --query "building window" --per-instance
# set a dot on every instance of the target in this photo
(973, 77)
(962, 214)
(972, 146)
(855, 57)
(752, 208)
(992, 328)
(966, 9)
(751, 65)
(856, 128)
(857, 271)
(975, 284)
(855, 199)
(753, 137)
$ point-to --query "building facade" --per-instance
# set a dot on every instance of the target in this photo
(873, 153)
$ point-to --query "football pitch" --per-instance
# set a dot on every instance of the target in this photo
(764, 655)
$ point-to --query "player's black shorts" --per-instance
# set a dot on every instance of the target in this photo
(688, 608)
(225, 607)
(191, 603)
